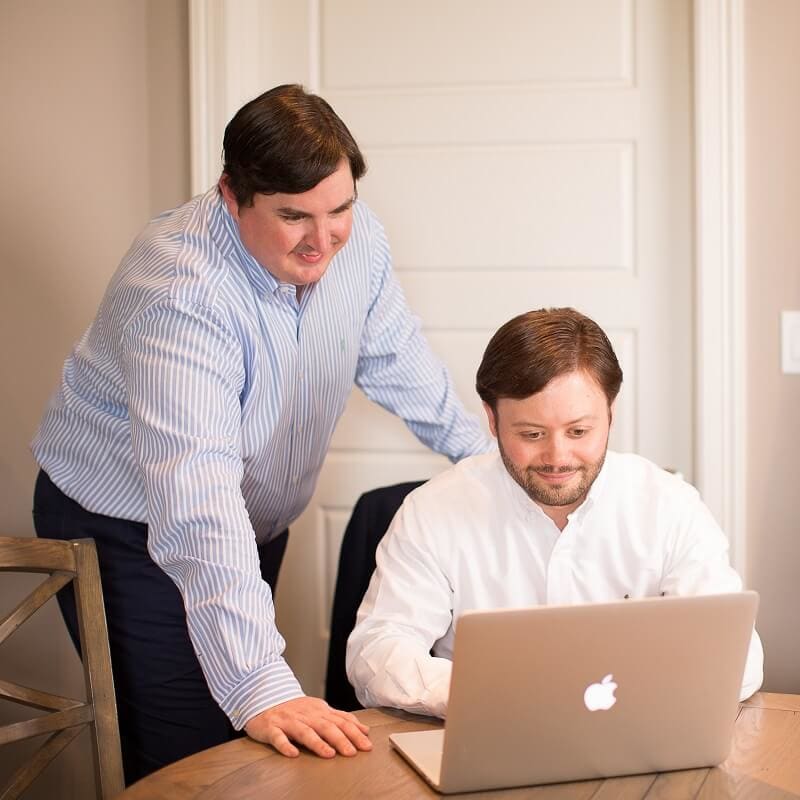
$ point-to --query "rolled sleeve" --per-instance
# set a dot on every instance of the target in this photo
(261, 689)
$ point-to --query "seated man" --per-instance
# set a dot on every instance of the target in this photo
(553, 517)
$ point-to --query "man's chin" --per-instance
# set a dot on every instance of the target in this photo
(306, 274)
(564, 495)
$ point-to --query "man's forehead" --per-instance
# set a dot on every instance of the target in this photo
(575, 384)
(335, 189)
(567, 399)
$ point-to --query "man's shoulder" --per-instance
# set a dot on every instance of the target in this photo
(367, 227)
(462, 488)
(178, 234)
(187, 221)
(451, 508)
(363, 214)
(639, 476)
(174, 262)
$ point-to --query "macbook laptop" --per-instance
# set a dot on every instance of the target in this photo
(564, 693)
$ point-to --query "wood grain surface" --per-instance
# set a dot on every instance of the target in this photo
(764, 763)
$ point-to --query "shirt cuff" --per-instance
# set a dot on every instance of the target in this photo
(438, 695)
(264, 688)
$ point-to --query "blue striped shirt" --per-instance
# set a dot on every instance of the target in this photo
(202, 400)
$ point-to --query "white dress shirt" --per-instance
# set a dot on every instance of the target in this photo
(472, 539)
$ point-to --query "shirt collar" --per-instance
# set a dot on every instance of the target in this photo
(225, 231)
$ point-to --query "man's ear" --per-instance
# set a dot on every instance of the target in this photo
(490, 415)
(611, 410)
(228, 196)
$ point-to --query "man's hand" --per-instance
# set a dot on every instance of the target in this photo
(314, 724)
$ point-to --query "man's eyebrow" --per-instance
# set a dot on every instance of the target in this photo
(531, 424)
(344, 206)
(289, 211)
(292, 212)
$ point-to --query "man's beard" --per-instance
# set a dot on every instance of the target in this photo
(568, 495)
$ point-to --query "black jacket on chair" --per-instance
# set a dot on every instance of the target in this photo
(369, 521)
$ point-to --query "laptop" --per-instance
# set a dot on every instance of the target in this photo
(566, 693)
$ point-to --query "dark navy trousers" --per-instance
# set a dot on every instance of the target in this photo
(165, 709)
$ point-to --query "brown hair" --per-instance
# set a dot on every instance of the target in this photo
(287, 141)
(533, 348)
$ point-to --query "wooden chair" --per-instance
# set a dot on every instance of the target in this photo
(64, 562)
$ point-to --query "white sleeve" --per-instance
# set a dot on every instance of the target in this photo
(699, 564)
(408, 606)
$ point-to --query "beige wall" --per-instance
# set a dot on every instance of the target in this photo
(93, 141)
(772, 98)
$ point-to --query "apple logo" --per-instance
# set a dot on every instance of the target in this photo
(600, 696)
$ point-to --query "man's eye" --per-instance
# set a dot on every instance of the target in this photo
(290, 218)
(579, 431)
(533, 435)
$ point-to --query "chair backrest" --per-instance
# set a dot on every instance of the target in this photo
(64, 562)
(369, 521)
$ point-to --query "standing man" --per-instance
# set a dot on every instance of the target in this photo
(552, 518)
(194, 415)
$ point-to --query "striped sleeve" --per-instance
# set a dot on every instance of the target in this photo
(184, 374)
(398, 370)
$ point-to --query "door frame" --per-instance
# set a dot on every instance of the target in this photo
(223, 47)
(720, 368)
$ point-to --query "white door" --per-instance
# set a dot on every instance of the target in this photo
(522, 154)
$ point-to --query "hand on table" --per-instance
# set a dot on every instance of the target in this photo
(314, 724)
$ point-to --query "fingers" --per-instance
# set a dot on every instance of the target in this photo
(353, 719)
(310, 722)
(355, 731)
(307, 736)
(331, 732)
(278, 739)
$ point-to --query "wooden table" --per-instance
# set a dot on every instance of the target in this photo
(764, 764)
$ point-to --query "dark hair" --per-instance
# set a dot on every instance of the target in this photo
(285, 140)
(533, 348)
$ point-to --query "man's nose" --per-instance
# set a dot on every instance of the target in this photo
(556, 452)
(318, 236)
